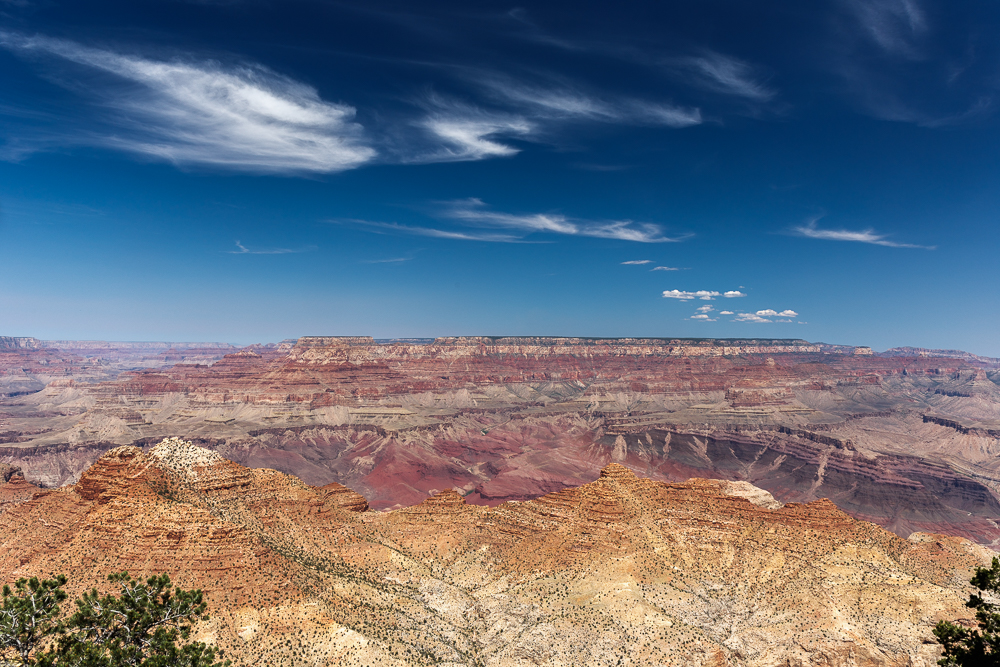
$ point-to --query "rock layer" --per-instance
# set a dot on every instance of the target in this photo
(622, 570)
(909, 442)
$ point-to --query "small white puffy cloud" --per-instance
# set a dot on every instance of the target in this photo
(638, 261)
(751, 317)
(733, 294)
(765, 315)
(702, 316)
(726, 312)
(664, 268)
(705, 309)
(704, 295)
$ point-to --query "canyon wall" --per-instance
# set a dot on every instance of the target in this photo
(910, 443)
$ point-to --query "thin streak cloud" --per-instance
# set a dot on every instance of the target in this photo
(200, 113)
(558, 100)
(726, 75)
(475, 212)
(810, 230)
(243, 250)
(894, 25)
(396, 228)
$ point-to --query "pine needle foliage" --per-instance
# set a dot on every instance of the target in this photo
(146, 624)
(975, 647)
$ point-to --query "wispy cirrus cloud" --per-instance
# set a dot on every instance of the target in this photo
(416, 230)
(724, 74)
(896, 26)
(708, 69)
(473, 136)
(475, 212)
(637, 262)
(456, 131)
(473, 216)
(901, 69)
(664, 268)
(810, 230)
(557, 99)
(243, 250)
(200, 113)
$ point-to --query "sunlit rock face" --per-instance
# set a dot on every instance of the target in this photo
(703, 572)
(908, 442)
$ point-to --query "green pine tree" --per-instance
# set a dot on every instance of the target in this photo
(28, 618)
(144, 625)
(975, 647)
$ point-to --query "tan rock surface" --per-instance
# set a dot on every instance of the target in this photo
(622, 570)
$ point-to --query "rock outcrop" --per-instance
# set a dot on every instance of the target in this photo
(909, 442)
(621, 570)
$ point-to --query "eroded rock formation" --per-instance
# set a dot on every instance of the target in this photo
(621, 570)
(909, 442)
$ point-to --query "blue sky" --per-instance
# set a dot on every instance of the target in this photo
(253, 171)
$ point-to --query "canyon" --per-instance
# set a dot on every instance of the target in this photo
(620, 570)
(907, 439)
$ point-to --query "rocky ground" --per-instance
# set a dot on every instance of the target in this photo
(622, 570)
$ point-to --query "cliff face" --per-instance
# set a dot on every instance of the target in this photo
(912, 443)
(621, 570)
(19, 343)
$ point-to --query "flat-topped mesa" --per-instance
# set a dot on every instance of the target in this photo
(143, 346)
(331, 341)
(363, 350)
(575, 340)
(553, 347)
(19, 343)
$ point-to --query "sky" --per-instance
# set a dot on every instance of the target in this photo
(251, 171)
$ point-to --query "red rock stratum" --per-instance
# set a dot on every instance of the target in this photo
(908, 441)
